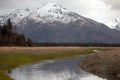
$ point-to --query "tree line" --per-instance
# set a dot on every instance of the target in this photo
(78, 44)
(9, 37)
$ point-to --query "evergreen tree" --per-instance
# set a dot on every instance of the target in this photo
(9, 29)
(23, 37)
(0, 31)
(9, 25)
(29, 42)
(22, 40)
(8, 36)
(4, 30)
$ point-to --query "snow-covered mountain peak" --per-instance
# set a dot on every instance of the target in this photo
(53, 8)
(51, 12)
(50, 9)
(48, 13)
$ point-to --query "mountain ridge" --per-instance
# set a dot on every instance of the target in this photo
(53, 23)
(48, 12)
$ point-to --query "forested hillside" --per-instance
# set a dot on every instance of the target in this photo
(9, 36)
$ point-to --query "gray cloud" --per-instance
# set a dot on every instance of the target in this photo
(115, 4)
(5, 4)
(12, 4)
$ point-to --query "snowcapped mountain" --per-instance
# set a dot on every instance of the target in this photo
(47, 13)
(16, 16)
(54, 23)
(115, 24)
(52, 12)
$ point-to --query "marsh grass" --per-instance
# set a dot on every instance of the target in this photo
(9, 60)
(3, 76)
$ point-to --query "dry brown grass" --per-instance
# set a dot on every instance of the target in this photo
(107, 62)
(38, 50)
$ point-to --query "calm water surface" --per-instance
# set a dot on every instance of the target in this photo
(66, 69)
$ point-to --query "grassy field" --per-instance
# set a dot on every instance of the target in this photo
(11, 57)
(106, 64)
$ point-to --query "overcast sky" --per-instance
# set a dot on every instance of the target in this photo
(99, 10)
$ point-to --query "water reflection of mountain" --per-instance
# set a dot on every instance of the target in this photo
(66, 69)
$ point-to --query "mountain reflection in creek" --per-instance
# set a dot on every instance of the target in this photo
(66, 69)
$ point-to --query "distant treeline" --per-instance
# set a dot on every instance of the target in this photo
(77, 44)
(9, 37)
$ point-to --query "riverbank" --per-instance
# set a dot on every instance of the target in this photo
(12, 57)
(105, 64)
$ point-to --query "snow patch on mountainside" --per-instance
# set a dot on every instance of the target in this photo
(2, 20)
(115, 24)
(18, 15)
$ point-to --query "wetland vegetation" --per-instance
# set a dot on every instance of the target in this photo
(12, 57)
